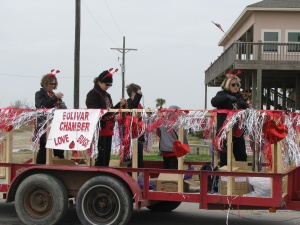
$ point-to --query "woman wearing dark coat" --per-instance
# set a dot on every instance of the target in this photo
(46, 98)
(99, 98)
(230, 97)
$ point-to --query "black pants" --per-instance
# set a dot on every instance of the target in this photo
(41, 155)
(104, 150)
(239, 151)
(170, 162)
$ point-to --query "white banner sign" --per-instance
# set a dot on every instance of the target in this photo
(73, 129)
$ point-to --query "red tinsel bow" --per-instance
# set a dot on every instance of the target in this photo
(274, 132)
(180, 149)
(137, 127)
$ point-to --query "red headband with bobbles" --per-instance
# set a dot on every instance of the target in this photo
(230, 74)
(106, 76)
(111, 69)
(54, 74)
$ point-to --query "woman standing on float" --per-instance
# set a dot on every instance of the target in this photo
(230, 97)
(99, 98)
(46, 98)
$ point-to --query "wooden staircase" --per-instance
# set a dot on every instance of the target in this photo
(290, 103)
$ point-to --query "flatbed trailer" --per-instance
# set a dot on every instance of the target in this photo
(107, 195)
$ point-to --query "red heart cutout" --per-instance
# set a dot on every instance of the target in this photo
(9, 128)
(72, 145)
(180, 149)
(237, 132)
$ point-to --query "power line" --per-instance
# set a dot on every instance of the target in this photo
(113, 18)
(99, 25)
(16, 75)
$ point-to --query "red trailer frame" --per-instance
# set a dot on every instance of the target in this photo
(145, 197)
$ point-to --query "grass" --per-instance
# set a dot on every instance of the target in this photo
(203, 155)
(188, 157)
(156, 157)
(22, 156)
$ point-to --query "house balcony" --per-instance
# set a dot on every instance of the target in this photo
(280, 62)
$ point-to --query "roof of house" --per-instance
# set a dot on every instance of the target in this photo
(277, 4)
(265, 5)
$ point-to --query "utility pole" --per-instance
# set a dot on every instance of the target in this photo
(77, 55)
(122, 50)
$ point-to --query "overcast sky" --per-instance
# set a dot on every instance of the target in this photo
(176, 43)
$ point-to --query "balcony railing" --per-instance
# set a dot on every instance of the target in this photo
(262, 54)
(277, 98)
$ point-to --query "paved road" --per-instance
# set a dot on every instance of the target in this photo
(186, 214)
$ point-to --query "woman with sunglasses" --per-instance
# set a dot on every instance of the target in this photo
(99, 98)
(46, 98)
(230, 97)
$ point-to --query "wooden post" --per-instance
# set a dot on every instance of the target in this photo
(49, 156)
(2, 158)
(229, 162)
(69, 155)
(256, 156)
(180, 161)
(216, 157)
(216, 151)
(34, 153)
(8, 149)
(277, 166)
(49, 151)
(134, 159)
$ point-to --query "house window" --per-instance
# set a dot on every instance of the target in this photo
(293, 38)
(271, 39)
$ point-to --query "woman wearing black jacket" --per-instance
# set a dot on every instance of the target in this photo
(230, 98)
(99, 98)
(46, 98)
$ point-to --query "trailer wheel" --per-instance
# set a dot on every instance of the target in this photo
(164, 206)
(104, 200)
(41, 199)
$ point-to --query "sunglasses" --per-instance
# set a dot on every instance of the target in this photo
(235, 84)
(108, 85)
(53, 84)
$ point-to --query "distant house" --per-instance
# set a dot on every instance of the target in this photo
(263, 42)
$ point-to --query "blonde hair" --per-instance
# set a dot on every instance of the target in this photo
(95, 80)
(226, 82)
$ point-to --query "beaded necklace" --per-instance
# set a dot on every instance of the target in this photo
(124, 106)
(106, 99)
